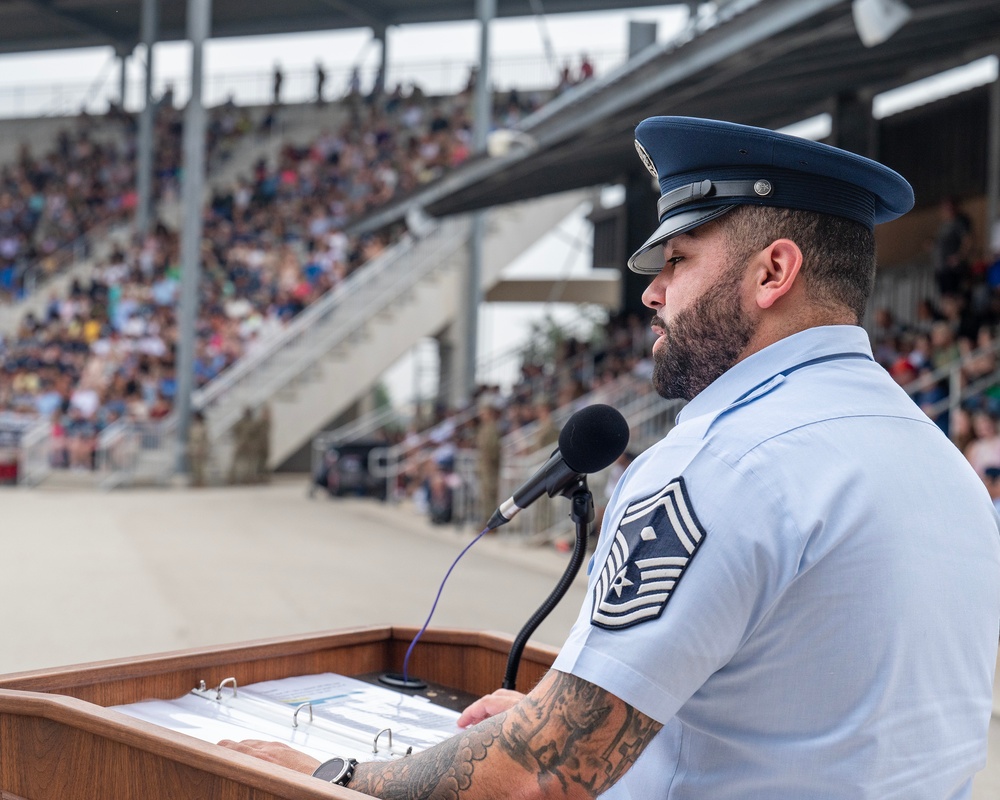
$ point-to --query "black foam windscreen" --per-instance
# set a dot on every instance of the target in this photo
(593, 438)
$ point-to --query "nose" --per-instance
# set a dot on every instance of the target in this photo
(653, 296)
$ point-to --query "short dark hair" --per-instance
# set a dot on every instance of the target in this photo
(838, 253)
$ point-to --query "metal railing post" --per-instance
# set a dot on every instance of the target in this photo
(954, 395)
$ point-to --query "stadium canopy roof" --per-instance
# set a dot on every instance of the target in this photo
(31, 25)
(766, 62)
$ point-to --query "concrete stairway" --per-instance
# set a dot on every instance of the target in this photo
(330, 357)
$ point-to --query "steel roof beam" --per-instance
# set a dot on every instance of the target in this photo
(362, 15)
(123, 40)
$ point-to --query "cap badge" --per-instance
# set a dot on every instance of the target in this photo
(646, 160)
(763, 188)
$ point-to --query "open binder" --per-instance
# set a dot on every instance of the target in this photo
(320, 715)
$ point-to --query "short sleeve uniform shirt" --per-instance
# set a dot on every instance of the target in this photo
(801, 581)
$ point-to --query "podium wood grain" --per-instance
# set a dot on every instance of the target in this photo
(58, 741)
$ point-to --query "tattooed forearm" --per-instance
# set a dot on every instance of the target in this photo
(442, 772)
(568, 738)
(569, 731)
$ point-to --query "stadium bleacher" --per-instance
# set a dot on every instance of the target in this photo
(105, 350)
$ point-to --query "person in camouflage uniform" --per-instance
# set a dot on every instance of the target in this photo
(198, 445)
(242, 466)
(488, 459)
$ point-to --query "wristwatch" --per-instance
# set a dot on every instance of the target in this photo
(336, 770)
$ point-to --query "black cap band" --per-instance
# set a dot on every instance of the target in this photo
(700, 190)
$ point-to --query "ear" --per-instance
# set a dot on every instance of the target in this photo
(777, 269)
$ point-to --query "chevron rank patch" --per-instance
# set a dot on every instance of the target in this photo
(655, 540)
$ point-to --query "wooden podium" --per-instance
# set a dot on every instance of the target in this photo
(58, 741)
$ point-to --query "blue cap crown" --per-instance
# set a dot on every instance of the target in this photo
(707, 167)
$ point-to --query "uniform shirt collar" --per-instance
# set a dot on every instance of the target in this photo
(783, 355)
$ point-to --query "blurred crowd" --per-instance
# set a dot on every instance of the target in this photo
(273, 243)
(64, 196)
(948, 341)
(559, 373)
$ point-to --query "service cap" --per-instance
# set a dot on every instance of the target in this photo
(706, 167)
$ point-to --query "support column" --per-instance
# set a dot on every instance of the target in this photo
(993, 168)
(144, 155)
(641, 194)
(199, 16)
(482, 120)
(853, 126)
(467, 324)
(640, 222)
(381, 34)
(122, 77)
(446, 366)
(640, 36)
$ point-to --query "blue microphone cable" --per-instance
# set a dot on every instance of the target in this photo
(406, 659)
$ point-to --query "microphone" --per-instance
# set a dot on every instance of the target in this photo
(591, 440)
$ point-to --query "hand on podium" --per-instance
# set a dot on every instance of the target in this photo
(275, 752)
(489, 706)
(278, 753)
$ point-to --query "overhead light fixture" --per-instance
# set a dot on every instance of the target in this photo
(877, 20)
(507, 140)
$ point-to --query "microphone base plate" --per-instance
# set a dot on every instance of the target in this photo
(399, 681)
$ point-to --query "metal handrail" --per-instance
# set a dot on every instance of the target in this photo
(309, 316)
(305, 320)
(958, 390)
(33, 462)
(122, 445)
(372, 289)
(255, 88)
(939, 374)
(106, 453)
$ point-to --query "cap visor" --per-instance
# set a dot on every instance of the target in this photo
(648, 260)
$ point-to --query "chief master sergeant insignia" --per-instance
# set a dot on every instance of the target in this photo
(655, 540)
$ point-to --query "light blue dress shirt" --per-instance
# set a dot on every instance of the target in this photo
(801, 581)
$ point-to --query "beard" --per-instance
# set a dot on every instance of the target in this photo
(703, 341)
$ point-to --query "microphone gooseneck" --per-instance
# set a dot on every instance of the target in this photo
(592, 439)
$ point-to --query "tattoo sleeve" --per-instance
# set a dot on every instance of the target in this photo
(568, 738)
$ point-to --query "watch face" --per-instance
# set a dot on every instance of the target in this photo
(331, 770)
(336, 770)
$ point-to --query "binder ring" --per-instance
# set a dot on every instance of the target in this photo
(218, 689)
(378, 735)
(295, 716)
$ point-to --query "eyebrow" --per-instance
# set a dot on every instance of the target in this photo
(670, 243)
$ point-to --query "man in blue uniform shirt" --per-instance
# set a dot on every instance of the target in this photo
(797, 591)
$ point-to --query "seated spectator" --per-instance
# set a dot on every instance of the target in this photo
(992, 480)
(979, 361)
(984, 450)
(960, 428)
